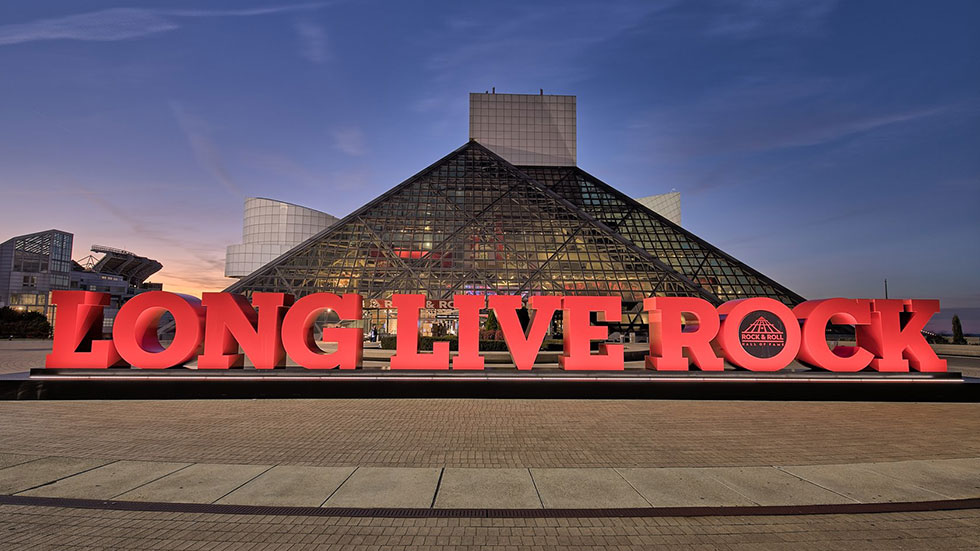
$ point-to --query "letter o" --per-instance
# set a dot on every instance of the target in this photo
(729, 336)
(134, 331)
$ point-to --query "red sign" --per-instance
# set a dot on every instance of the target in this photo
(756, 334)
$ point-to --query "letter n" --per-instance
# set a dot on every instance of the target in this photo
(232, 322)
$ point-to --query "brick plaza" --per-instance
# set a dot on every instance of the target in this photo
(488, 434)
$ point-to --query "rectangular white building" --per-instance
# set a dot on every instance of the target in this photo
(525, 129)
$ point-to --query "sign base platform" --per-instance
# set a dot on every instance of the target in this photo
(184, 383)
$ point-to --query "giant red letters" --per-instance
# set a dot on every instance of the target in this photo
(895, 338)
(407, 339)
(232, 322)
(756, 334)
(135, 330)
(815, 315)
(579, 334)
(299, 341)
(735, 338)
(78, 332)
(524, 348)
(668, 340)
(469, 331)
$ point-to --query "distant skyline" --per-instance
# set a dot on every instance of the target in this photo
(830, 145)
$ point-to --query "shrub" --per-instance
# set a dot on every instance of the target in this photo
(32, 325)
(491, 324)
(958, 331)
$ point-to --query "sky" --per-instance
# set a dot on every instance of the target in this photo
(830, 145)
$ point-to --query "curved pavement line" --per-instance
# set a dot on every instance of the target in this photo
(352, 512)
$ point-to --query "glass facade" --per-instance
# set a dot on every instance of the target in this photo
(667, 205)
(474, 223)
(709, 267)
(33, 265)
(526, 129)
(271, 228)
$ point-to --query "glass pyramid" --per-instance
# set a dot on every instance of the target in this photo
(474, 223)
(709, 267)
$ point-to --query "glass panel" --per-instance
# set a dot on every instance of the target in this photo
(473, 223)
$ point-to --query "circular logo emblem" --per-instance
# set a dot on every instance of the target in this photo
(762, 334)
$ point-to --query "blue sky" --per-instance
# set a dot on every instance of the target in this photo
(828, 144)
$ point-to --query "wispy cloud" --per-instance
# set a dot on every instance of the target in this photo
(123, 23)
(816, 222)
(350, 141)
(197, 132)
(764, 114)
(313, 41)
(282, 168)
(741, 18)
(135, 224)
(202, 273)
(192, 260)
(527, 36)
(546, 40)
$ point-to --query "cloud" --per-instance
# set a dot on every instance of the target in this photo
(122, 23)
(284, 167)
(742, 19)
(203, 273)
(761, 114)
(313, 41)
(249, 12)
(193, 260)
(136, 223)
(816, 222)
(102, 26)
(198, 137)
(429, 104)
(527, 36)
(350, 141)
(546, 42)
(281, 168)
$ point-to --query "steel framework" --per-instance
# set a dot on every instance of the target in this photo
(474, 223)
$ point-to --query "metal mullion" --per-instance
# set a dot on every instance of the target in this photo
(553, 255)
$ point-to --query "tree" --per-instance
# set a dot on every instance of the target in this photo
(490, 328)
(491, 324)
(23, 324)
(957, 331)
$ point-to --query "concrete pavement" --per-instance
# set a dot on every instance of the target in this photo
(504, 488)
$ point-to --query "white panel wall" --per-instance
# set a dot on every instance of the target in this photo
(667, 205)
(526, 129)
(270, 229)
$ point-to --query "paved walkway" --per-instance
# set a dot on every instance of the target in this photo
(475, 488)
(451, 454)
(77, 529)
(491, 433)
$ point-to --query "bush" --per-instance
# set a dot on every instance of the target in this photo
(31, 325)
(958, 337)
(491, 324)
